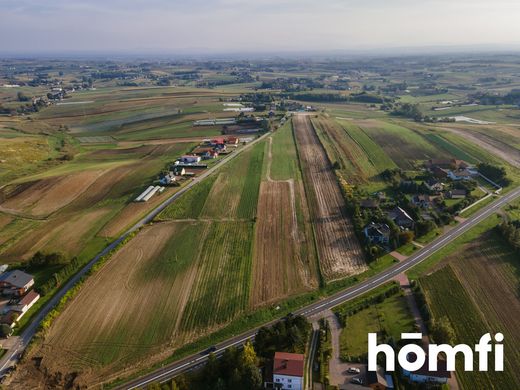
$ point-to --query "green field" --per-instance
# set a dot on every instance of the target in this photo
(446, 296)
(388, 318)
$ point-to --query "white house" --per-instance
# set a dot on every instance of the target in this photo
(27, 301)
(424, 375)
(288, 370)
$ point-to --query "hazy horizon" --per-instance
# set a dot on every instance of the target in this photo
(234, 26)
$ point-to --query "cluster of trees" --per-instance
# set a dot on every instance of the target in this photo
(495, 173)
(510, 230)
(408, 110)
(289, 335)
(66, 269)
(40, 259)
(512, 97)
(362, 97)
(236, 369)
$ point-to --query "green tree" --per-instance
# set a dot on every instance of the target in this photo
(443, 332)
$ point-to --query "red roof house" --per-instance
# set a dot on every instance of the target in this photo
(288, 370)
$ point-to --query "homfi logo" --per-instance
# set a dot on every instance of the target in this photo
(483, 348)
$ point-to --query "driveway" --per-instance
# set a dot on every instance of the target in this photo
(338, 374)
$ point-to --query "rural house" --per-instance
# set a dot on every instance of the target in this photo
(288, 370)
(15, 282)
(423, 201)
(424, 375)
(401, 218)
(434, 185)
(26, 302)
(377, 380)
(377, 233)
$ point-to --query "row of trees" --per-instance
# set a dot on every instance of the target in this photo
(510, 230)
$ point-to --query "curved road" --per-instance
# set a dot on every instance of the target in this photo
(13, 354)
(171, 370)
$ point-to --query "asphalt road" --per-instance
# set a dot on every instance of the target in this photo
(12, 356)
(189, 363)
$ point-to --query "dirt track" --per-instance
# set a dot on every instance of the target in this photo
(339, 250)
(278, 267)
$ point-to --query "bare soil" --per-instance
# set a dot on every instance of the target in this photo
(339, 250)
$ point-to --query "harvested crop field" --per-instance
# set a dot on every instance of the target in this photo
(132, 299)
(483, 278)
(167, 285)
(339, 250)
(493, 145)
(43, 197)
(283, 257)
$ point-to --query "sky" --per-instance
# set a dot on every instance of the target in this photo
(220, 26)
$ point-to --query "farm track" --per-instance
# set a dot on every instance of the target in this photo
(339, 250)
(278, 267)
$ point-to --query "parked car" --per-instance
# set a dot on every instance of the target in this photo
(353, 370)
(357, 381)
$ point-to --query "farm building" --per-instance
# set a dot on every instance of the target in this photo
(377, 233)
(168, 178)
(210, 155)
(179, 171)
(189, 159)
(456, 194)
(15, 282)
(232, 141)
(401, 218)
(288, 370)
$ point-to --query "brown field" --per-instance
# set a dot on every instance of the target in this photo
(76, 344)
(107, 189)
(4, 220)
(339, 250)
(493, 145)
(131, 212)
(45, 196)
(280, 266)
(349, 154)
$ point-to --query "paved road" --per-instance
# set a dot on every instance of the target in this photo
(193, 361)
(12, 356)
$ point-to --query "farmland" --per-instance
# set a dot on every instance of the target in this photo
(284, 260)
(270, 229)
(339, 250)
(482, 277)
